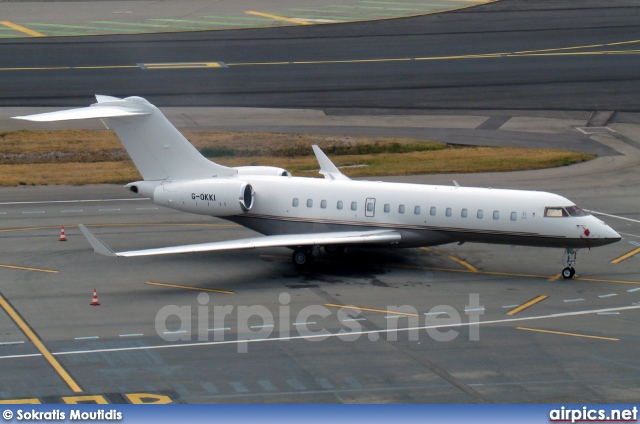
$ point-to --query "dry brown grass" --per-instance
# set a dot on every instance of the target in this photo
(93, 157)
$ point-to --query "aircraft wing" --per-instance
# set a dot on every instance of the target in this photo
(345, 237)
(84, 113)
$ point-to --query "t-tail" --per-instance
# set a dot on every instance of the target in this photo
(157, 148)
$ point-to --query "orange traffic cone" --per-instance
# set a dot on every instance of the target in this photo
(63, 237)
(94, 301)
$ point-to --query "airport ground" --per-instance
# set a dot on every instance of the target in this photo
(540, 338)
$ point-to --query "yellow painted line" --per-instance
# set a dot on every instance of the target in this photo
(453, 258)
(22, 29)
(278, 18)
(106, 67)
(24, 268)
(555, 277)
(39, 345)
(527, 304)
(626, 256)
(562, 333)
(51, 68)
(358, 308)
(175, 286)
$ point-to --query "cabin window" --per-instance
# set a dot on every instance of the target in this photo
(480, 214)
(387, 208)
(463, 213)
(295, 202)
(401, 209)
(369, 207)
(339, 205)
(576, 211)
(514, 216)
(354, 206)
(309, 203)
(416, 210)
(555, 212)
(448, 212)
(432, 211)
(323, 204)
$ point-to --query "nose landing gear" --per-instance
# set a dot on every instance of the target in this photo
(568, 271)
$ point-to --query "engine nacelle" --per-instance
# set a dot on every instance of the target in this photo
(262, 170)
(215, 197)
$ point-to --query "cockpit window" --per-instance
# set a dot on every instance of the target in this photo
(576, 211)
(555, 212)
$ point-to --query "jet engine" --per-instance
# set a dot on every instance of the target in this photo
(215, 197)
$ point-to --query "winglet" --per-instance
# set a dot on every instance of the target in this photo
(97, 244)
(327, 168)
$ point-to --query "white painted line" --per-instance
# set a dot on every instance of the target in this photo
(261, 326)
(134, 335)
(608, 313)
(510, 306)
(146, 209)
(304, 323)
(74, 201)
(324, 336)
(574, 300)
(474, 309)
(86, 338)
(109, 210)
(633, 290)
(354, 319)
(73, 210)
(435, 313)
(612, 216)
(175, 332)
(3, 213)
(219, 329)
(33, 212)
(394, 316)
(11, 343)
(607, 295)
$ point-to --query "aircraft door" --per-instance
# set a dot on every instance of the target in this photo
(370, 207)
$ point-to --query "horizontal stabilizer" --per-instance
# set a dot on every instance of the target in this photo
(84, 113)
(346, 237)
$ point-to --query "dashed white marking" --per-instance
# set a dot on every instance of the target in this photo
(3, 213)
(435, 313)
(74, 201)
(354, 319)
(27, 212)
(324, 336)
(72, 210)
(261, 326)
(574, 300)
(510, 306)
(304, 323)
(110, 210)
(134, 335)
(86, 337)
(607, 295)
(474, 309)
(394, 316)
(219, 329)
(12, 343)
(145, 209)
(608, 313)
(633, 290)
(175, 332)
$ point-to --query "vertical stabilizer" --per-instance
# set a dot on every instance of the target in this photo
(157, 148)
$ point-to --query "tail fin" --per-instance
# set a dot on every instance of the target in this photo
(156, 147)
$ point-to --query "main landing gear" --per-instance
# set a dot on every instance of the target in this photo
(302, 257)
(568, 271)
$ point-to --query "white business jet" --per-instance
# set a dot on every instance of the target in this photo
(305, 214)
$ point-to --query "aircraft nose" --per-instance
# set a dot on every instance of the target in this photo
(606, 234)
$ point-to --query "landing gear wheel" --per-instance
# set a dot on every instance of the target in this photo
(568, 272)
(334, 249)
(302, 257)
